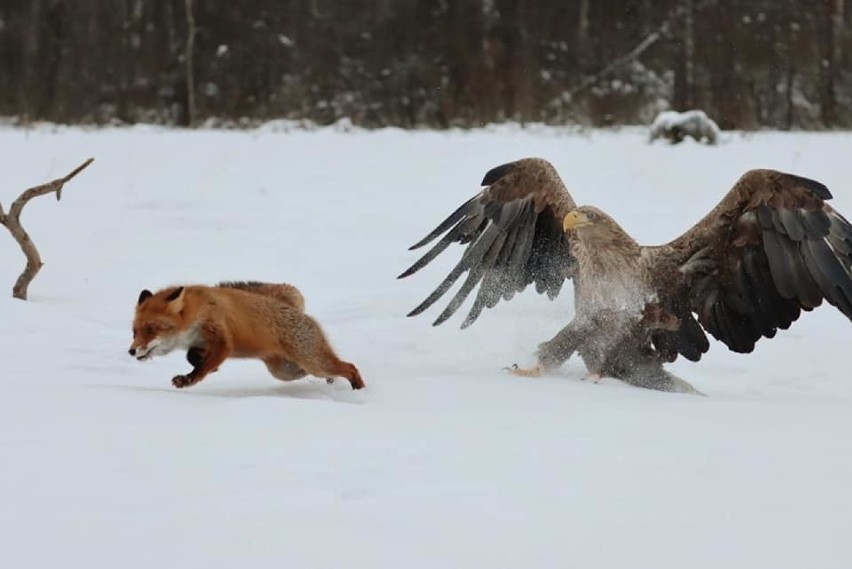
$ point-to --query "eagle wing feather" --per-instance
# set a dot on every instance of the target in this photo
(770, 249)
(514, 237)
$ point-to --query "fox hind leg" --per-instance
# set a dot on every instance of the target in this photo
(289, 371)
(309, 349)
(284, 370)
(349, 371)
(329, 366)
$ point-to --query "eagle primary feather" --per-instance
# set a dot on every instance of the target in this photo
(512, 229)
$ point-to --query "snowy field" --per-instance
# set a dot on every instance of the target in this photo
(443, 461)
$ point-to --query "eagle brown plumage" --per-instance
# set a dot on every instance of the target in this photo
(769, 250)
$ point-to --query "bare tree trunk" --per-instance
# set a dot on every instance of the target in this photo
(646, 17)
(518, 68)
(790, 85)
(583, 35)
(316, 10)
(837, 29)
(837, 36)
(689, 54)
(832, 63)
(28, 93)
(190, 74)
(12, 221)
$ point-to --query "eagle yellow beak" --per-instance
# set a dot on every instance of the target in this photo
(573, 219)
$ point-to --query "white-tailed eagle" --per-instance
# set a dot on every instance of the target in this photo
(770, 249)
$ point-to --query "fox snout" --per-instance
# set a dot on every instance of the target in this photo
(141, 351)
(138, 352)
(161, 345)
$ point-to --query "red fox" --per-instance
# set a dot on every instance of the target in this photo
(236, 320)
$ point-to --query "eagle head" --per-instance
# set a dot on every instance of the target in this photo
(594, 226)
(582, 216)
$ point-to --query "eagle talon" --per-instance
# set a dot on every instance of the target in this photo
(535, 371)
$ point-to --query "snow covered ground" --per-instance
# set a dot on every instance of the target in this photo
(443, 461)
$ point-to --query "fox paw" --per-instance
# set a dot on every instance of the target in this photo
(182, 381)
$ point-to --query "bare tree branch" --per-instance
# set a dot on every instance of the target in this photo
(663, 30)
(12, 222)
(591, 80)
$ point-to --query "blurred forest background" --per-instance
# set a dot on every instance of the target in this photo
(427, 63)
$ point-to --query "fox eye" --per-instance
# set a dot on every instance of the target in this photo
(149, 329)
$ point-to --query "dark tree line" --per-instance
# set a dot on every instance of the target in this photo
(433, 63)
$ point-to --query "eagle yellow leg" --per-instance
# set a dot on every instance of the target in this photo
(535, 371)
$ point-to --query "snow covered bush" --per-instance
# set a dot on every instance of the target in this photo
(675, 126)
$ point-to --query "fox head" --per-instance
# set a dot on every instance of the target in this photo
(158, 327)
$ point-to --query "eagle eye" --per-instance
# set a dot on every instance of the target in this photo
(591, 216)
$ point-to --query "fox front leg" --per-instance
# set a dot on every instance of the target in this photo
(204, 361)
(195, 356)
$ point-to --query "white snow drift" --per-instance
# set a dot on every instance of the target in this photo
(444, 460)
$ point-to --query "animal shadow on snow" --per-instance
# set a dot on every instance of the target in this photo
(312, 389)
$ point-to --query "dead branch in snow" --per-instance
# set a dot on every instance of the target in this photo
(12, 221)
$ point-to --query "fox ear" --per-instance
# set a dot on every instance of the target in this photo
(175, 294)
(175, 299)
(144, 295)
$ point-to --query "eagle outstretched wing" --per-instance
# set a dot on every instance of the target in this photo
(770, 249)
(514, 237)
